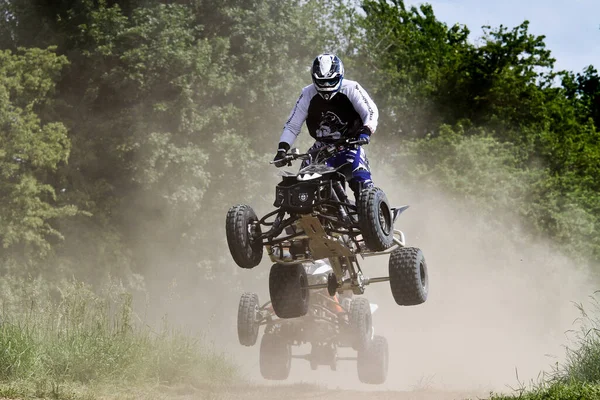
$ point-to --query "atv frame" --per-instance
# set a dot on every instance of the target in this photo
(315, 220)
(328, 326)
(341, 246)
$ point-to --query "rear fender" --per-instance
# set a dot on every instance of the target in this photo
(396, 211)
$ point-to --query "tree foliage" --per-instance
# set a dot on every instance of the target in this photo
(30, 150)
(498, 93)
(123, 144)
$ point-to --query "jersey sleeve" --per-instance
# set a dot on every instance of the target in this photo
(364, 106)
(293, 125)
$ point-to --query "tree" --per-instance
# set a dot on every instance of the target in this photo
(584, 90)
(408, 56)
(31, 150)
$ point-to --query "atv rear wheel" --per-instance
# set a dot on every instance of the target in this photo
(242, 233)
(361, 323)
(275, 358)
(409, 280)
(372, 363)
(247, 320)
(375, 219)
(288, 290)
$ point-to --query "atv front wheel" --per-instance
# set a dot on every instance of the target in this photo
(375, 219)
(288, 290)
(372, 363)
(361, 323)
(242, 233)
(247, 320)
(408, 276)
(275, 358)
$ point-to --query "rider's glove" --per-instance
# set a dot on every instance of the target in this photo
(364, 134)
(279, 160)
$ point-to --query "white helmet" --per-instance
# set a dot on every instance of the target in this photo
(327, 74)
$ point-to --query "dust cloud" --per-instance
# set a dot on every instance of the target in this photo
(499, 305)
(498, 308)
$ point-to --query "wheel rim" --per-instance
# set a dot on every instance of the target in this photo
(423, 275)
(253, 237)
(255, 319)
(385, 218)
(251, 231)
(303, 287)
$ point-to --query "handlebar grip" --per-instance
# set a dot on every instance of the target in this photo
(358, 142)
(287, 160)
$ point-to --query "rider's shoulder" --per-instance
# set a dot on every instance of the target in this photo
(309, 91)
(349, 85)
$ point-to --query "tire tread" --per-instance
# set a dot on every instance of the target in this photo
(361, 334)
(372, 363)
(246, 322)
(405, 276)
(286, 292)
(246, 255)
(368, 211)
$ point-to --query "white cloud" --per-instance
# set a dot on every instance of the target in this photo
(571, 27)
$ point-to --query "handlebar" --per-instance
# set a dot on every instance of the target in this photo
(291, 157)
(358, 142)
(329, 148)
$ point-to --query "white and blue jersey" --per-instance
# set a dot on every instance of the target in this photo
(334, 119)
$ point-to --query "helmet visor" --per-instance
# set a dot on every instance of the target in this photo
(327, 83)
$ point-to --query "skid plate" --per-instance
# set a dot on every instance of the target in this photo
(322, 245)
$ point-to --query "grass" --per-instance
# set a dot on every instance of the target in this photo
(69, 342)
(60, 342)
(579, 376)
(557, 391)
(583, 361)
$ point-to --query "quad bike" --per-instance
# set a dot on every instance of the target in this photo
(314, 220)
(331, 322)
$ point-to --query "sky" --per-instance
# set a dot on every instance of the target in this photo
(571, 27)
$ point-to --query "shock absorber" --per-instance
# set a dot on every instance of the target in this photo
(341, 196)
(275, 229)
(339, 191)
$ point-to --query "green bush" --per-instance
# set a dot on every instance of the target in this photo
(86, 338)
(557, 391)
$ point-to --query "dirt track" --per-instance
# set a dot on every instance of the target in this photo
(300, 391)
(296, 392)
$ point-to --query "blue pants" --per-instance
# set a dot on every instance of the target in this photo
(361, 172)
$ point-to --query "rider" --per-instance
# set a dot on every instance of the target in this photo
(334, 108)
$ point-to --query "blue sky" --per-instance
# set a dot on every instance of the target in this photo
(571, 27)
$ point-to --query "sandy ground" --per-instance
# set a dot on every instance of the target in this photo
(295, 392)
(307, 391)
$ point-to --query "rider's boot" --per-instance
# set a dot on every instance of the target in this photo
(358, 185)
